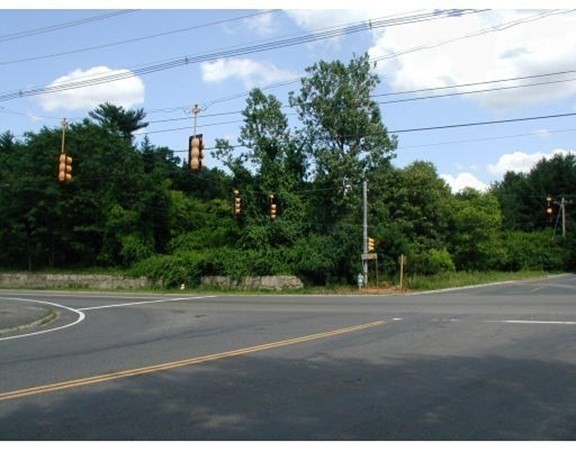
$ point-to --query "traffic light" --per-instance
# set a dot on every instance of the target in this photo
(272, 212)
(371, 246)
(549, 209)
(195, 153)
(64, 168)
(237, 202)
(201, 149)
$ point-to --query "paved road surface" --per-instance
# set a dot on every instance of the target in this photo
(489, 363)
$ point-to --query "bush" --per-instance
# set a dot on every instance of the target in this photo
(172, 270)
(431, 262)
(534, 251)
(188, 267)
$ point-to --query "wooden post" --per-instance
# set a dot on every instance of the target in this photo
(402, 260)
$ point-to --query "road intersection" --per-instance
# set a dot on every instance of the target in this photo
(415, 367)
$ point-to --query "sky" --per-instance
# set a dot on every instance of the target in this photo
(475, 89)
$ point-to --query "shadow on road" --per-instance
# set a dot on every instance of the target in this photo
(262, 398)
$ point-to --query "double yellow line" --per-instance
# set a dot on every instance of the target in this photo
(173, 365)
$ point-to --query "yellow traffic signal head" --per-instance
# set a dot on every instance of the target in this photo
(64, 168)
(371, 245)
(194, 152)
(237, 202)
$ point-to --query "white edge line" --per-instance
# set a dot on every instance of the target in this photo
(81, 317)
(497, 283)
(148, 302)
(537, 322)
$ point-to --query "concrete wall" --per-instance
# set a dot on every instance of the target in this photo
(272, 283)
(51, 281)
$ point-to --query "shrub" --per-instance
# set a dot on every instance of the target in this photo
(534, 251)
(431, 262)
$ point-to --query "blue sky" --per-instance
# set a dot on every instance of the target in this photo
(443, 57)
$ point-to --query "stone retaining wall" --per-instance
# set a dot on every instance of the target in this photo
(51, 281)
(55, 281)
(272, 283)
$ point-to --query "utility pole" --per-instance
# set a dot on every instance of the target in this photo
(365, 247)
(562, 216)
(563, 211)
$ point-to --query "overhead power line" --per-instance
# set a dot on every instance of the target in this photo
(480, 91)
(234, 52)
(61, 26)
(391, 94)
(475, 124)
(479, 83)
(138, 39)
(406, 130)
(494, 29)
(500, 27)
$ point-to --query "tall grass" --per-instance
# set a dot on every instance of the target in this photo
(459, 279)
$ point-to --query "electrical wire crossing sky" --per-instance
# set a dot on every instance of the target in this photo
(476, 91)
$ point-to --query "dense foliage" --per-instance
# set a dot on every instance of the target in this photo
(140, 207)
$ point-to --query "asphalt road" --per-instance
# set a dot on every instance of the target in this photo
(488, 363)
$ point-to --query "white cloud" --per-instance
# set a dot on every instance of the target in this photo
(262, 25)
(315, 20)
(126, 92)
(252, 73)
(463, 180)
(542, 133)
(536, 47)
(34, 117)
(521, 162)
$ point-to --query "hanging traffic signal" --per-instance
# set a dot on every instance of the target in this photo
(371, 246)
(194, 152)
(64, 168)
(549, 209)
(272, 211)
(237, 202)
(201, 151)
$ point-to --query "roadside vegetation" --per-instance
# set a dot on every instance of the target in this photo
(135, 208)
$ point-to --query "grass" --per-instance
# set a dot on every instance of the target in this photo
(411, 283)
(460, 279)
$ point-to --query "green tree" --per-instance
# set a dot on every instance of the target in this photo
(410, 213)
(27, 192)
(520, 211)
(342, 133)
(476, 235)
(269, 172)
(523, 196)
(117, 119)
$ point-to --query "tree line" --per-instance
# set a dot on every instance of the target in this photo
(139, 207)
